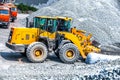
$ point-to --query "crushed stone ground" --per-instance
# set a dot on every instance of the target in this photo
(99, 17)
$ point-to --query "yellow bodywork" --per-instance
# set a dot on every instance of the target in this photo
(23, 35)
(27, 36)
(57, 17)
(82, 42)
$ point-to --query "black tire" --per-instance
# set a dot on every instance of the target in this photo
(64, 51)
(32, 50)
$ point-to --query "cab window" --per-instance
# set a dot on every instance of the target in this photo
(63, 25)
(13, 9)
(4, 12)
(45, 24)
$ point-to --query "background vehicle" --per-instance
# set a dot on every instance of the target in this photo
(51, 34)
(8, 12)
(13, 11)
(4, 16)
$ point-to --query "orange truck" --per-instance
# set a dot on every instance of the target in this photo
(4, 16)
(13, 11)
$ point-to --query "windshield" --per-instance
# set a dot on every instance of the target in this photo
(47, 24)
(13, 9)
(63, 25)
(4, 12)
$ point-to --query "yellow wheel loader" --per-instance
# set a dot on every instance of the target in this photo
(51, 34)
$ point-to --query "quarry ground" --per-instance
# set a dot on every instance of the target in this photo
(14, 66)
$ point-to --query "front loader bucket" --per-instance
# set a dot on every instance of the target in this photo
(91, 48)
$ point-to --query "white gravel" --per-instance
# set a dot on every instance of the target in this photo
(101, 17)
(14, 66)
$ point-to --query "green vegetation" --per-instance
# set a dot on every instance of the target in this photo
(25, 8)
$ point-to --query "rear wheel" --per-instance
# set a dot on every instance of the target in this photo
(69, 53)
(37, 52)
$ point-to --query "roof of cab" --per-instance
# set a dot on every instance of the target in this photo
(3, 7)
(57, 17)
(9, 5)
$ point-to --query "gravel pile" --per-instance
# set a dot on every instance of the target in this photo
(40, 5)
(100, 17)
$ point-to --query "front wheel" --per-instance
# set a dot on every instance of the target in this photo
(69, 53)
(37, 52)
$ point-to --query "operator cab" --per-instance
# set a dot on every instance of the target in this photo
(52, 24)
(64, 24)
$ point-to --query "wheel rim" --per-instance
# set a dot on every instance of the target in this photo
(70, 54)
(38, 53)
